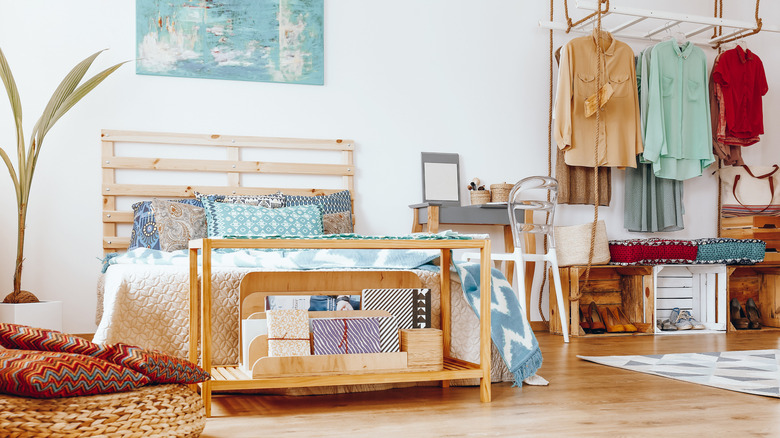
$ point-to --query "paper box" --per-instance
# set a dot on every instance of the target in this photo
(288, 333)
(345, 335)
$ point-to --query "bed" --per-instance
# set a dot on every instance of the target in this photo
(145, 302)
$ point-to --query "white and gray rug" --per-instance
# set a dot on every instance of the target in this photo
(752, 371)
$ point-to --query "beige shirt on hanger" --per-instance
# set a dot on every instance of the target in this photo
(620, 137)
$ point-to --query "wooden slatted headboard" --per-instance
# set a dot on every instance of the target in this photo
(130, 163)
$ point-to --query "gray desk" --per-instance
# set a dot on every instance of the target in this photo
(432, 215)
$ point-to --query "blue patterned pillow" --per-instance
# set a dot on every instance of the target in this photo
(336, 209)
(224, 219)
(145, 233)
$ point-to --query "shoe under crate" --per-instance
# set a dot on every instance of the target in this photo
(699, 289)
(762, 284)
(629, 287)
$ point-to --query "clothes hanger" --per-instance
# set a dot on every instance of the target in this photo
(743, 42)
(668, 35)
(680, 36)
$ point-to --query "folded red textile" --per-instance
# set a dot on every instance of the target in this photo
(652, 251)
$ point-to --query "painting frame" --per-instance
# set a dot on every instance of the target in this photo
(279, 41)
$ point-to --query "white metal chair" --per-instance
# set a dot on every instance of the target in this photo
(528, 207)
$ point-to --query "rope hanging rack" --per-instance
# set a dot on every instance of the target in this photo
(603, 8)
(732, 29)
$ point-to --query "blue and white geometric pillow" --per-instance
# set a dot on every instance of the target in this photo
(336, 208)
(224, 219)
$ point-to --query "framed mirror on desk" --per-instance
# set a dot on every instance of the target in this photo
(441, 178)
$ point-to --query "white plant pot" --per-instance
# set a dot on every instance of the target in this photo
(44, 314)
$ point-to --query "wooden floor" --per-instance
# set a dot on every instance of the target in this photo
(582, 399)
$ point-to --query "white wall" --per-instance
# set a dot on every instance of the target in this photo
(401, 78)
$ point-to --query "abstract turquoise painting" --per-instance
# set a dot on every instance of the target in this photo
(246, 40)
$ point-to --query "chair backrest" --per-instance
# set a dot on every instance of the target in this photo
(528, 207)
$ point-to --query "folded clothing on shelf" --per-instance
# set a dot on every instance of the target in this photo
(655, 251)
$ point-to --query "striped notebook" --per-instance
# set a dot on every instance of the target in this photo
(410, 307)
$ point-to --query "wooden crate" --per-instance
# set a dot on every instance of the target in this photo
(766, 228)
(699, 289)
(762, 284)
(630, 287)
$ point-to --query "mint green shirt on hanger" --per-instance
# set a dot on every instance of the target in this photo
(678, 137)
(651, 204)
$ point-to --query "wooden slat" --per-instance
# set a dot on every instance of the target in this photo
(752, 233)
(117, 216)
(189, 191)
(329, 364)
(346, 379)
(116, 242)
(226, 140)
(602, 298)
(595, 286)
(232, 166)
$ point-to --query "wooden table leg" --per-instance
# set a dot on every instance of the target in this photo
(416, 225)
(194, 309)
(509, 248)
(485, 342)
(205, 323)
(446, 308)
(433, 218)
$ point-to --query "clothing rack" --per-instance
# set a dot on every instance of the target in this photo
(659, 23)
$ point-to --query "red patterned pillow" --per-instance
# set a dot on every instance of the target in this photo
(22, 337)
(653, 251)
(159, 367)
(46, 374)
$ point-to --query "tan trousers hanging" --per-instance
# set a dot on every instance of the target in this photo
(575, 183)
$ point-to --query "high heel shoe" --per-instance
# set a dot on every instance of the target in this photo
(737, 315)
(622, 319)
(753, 315)
(612, 323)
(597, 326)
(585, 321)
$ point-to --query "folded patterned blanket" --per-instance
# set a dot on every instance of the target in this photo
(657, 251)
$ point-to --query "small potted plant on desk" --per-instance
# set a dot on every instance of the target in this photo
(21, 306)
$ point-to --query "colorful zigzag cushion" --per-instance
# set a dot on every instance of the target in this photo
(158, 367)
(46, 374)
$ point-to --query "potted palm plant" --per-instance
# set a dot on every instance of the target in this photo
(68, 93)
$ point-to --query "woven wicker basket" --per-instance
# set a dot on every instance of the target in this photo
(500, 192)
(479, 197)
(160, 410)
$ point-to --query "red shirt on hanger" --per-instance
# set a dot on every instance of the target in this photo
(741, 76)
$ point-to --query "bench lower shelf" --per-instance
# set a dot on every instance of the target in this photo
(231, 377)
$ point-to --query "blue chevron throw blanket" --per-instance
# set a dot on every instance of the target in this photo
(509, 327)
